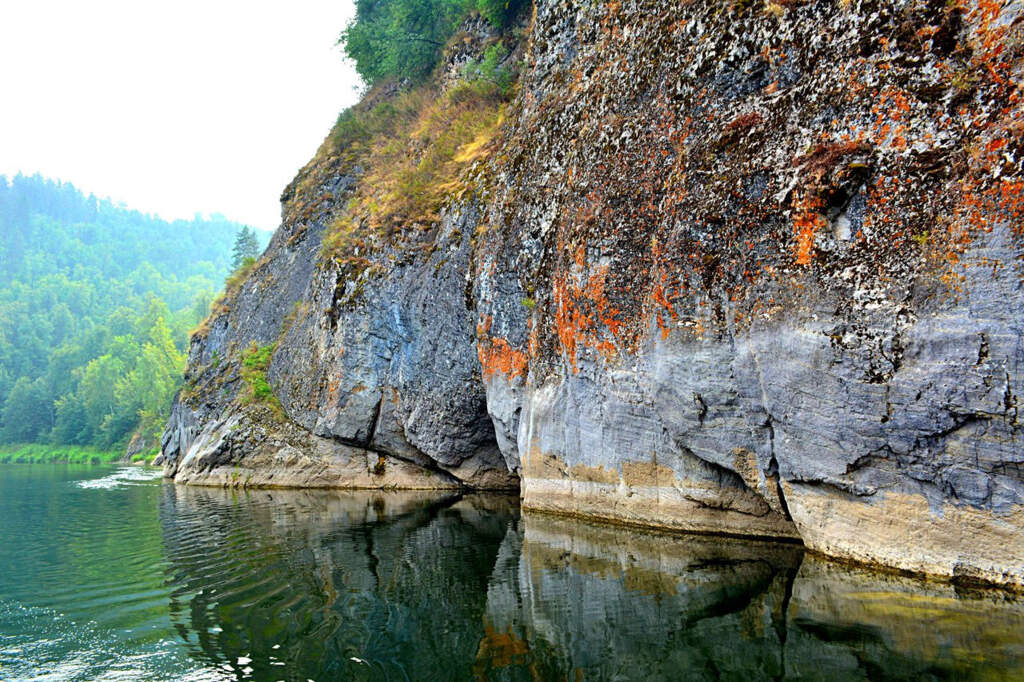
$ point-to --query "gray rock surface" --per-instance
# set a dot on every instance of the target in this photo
(375, 379)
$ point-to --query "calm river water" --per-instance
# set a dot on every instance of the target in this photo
(111, 574)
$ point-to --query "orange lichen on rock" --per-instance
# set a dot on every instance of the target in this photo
(807, 220)
(497, 356)
(583, 313)
(659, 297)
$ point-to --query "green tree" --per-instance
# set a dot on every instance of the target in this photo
(201, 304)
(246, 248)
(405, 38)
(96, 395)
(28, 411)
(72, 425)
(144, 393)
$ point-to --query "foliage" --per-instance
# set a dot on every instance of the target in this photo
(498, 12)
(246, 248)
(148, 388)
(39, 453)
(95, 304)
(491, 71)
(255, 361)
(405, 38)
(28, 410)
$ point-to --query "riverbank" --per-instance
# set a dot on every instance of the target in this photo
(34, 453)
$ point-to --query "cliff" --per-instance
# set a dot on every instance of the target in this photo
(724, 267)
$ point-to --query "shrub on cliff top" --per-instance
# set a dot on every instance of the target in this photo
(405, 38)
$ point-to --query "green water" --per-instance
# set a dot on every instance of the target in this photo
(109, 573)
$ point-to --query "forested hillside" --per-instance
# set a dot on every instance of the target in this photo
(96, 302)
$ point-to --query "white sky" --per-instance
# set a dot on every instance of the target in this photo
(172, 107)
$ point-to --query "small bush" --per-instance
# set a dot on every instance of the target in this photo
(236, 278)
(359, 126)
(255, 361)
(491, 71)
(350, 128)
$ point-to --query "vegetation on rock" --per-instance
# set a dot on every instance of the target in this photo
(255, 361)
(419, 147)
(37, 453)
(406, 38)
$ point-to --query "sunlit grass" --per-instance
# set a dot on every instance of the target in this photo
(416, 147)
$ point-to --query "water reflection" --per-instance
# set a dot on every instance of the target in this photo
(329, 585)
(322, 585)
(611, 603)
(860, 624)
(606, 603)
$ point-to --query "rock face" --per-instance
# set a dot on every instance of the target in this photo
(732, 268)
(372, 390)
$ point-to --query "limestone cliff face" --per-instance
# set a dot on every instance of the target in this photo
(727, 267)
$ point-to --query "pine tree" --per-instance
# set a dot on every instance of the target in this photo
(246, 248)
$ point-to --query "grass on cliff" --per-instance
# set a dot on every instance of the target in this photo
(255, 361)
(418, 147)
(73, 454)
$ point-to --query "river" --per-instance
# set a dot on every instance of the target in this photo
(109, 573)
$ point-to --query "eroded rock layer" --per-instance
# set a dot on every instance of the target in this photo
(727, 267)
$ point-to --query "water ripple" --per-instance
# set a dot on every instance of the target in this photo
(128, 475)
(129, 579)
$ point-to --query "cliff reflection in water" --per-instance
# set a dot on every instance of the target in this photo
(351, 585)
